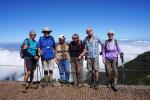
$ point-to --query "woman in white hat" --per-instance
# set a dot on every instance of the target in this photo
(110, 56)
(30, 58)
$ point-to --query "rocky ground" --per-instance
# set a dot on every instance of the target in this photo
(13, 91)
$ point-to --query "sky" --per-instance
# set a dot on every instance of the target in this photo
(129, 19)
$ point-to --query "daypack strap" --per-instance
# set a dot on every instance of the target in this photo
(28, 42)
(60, 50)
(116, 44)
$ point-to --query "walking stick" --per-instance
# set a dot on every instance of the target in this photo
(24, 68)
(38, 67)
(40, 72)
(123, 69)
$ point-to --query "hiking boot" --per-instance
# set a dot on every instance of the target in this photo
(56, 84)
(96, 85)
(67, 83)
(92, 84)
(74, 85)
(44, 84)
(24, 89)
(114, 87)
(27, 85)
(46, 78)
(108, 85)
(34, 86)
(80, 85)
(61, 81)
(51, 83)
(50, 78)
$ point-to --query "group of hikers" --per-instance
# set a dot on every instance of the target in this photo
(74, 53)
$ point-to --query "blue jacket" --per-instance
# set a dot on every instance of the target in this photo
(47, 45)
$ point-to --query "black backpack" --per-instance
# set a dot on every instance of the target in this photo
(23, 51)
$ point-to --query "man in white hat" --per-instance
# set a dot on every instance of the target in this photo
(62, 59)
(46, 48)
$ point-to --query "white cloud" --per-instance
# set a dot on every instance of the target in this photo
(12, 57)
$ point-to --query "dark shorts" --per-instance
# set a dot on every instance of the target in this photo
(30, 64)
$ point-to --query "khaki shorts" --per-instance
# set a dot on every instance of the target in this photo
(48, 64)
(93, 64)
(111, 68)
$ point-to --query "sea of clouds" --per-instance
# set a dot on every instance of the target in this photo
(11, 65)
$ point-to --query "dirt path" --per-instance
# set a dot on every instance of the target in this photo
(12, 91)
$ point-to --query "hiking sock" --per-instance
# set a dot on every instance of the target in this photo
(110, 82)
(115, 80)
(46, 78)
(50, 75)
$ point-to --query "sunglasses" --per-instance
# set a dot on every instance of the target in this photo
(89, 30)
(33, 34)
(75, 38)
(110, 34)
(46, 32)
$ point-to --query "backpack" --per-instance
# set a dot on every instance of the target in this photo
(23, 51)
(116, 43)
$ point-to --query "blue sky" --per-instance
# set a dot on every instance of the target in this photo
(130, 19)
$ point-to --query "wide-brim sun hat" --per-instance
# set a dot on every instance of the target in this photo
(46, 29)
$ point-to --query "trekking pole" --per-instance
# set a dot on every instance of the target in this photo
(24, 68)
(93, 74)
(38, 69)
(40, 77)
(40, 72)
(123, 70)
(37, 65)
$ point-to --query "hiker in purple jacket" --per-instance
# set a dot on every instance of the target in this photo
(110, 53)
